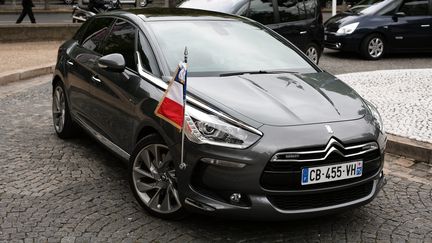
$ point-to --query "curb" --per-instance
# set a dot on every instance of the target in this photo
(419, 151)
(22, 74)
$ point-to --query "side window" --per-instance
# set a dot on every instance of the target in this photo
(96, 33)
(147, 58)
(81, 31)
(291, 10)
(262, 11)
(122, 40)
(415, 8)
(311, 8)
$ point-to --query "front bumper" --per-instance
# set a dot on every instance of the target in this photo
(349, 43)
(207, 188)
(262, 208)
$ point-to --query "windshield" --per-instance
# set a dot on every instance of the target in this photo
(382, 8)
(219, 47)
(224, 6)
(362, 5)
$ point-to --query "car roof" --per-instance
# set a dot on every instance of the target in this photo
(174, 14)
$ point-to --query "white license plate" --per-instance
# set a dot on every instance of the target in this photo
(320, 174)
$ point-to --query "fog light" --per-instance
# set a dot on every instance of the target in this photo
(338, 45)
(235, 197)
(223, 163)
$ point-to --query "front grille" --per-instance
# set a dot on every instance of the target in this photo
(283, 172)
(322, 199)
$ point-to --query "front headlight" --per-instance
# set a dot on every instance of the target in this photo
(376, 115)
(204, 128)
(347, 29)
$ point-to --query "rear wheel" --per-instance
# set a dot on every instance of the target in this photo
(313, 52)
(153, 180)
(63, 123)
(373, 47)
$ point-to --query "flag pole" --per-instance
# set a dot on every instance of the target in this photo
(183, 165)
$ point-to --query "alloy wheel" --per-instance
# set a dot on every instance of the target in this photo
(155, 180)
(312, 54)
(376, 47)
(59, 109)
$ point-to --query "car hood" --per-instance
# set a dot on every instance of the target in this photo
(281, 99)
(339, 20)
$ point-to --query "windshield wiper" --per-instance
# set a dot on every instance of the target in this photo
(254, 72)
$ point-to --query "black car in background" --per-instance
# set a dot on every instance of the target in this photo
(298, 21)
(384, 27)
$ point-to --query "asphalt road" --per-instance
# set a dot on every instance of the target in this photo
(40, 18)
(54, 190)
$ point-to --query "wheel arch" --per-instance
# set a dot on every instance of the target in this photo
(372, 33)
(144, 132)
(56, 79)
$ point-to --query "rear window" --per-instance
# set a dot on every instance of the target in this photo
(288, 11)
(262, 11)
(292, 10)
(224, 6)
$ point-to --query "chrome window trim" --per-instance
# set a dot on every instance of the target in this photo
(329, 149)
(162, 85)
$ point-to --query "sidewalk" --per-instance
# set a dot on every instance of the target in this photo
(402, 96)
(24, 60)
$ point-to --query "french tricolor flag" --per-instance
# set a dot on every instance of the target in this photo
(171, 107)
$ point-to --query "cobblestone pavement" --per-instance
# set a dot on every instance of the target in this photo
(76, 191)
(403, 98)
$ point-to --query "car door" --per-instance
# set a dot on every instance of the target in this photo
(412, 31)
(81, 64)
(114, 92)
(293, 24)
(286, 17)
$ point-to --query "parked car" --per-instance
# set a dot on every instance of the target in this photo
(384, 27)
(269, 134)
(298, 21)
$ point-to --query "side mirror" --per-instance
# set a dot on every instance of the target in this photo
(113, 62)
(398, 15)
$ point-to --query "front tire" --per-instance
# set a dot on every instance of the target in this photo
(153, 180)
(373, 47)
(63, 123)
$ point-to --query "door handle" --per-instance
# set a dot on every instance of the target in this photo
(96, 79)
(425, 25)
(69, 62)
(303, 32)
